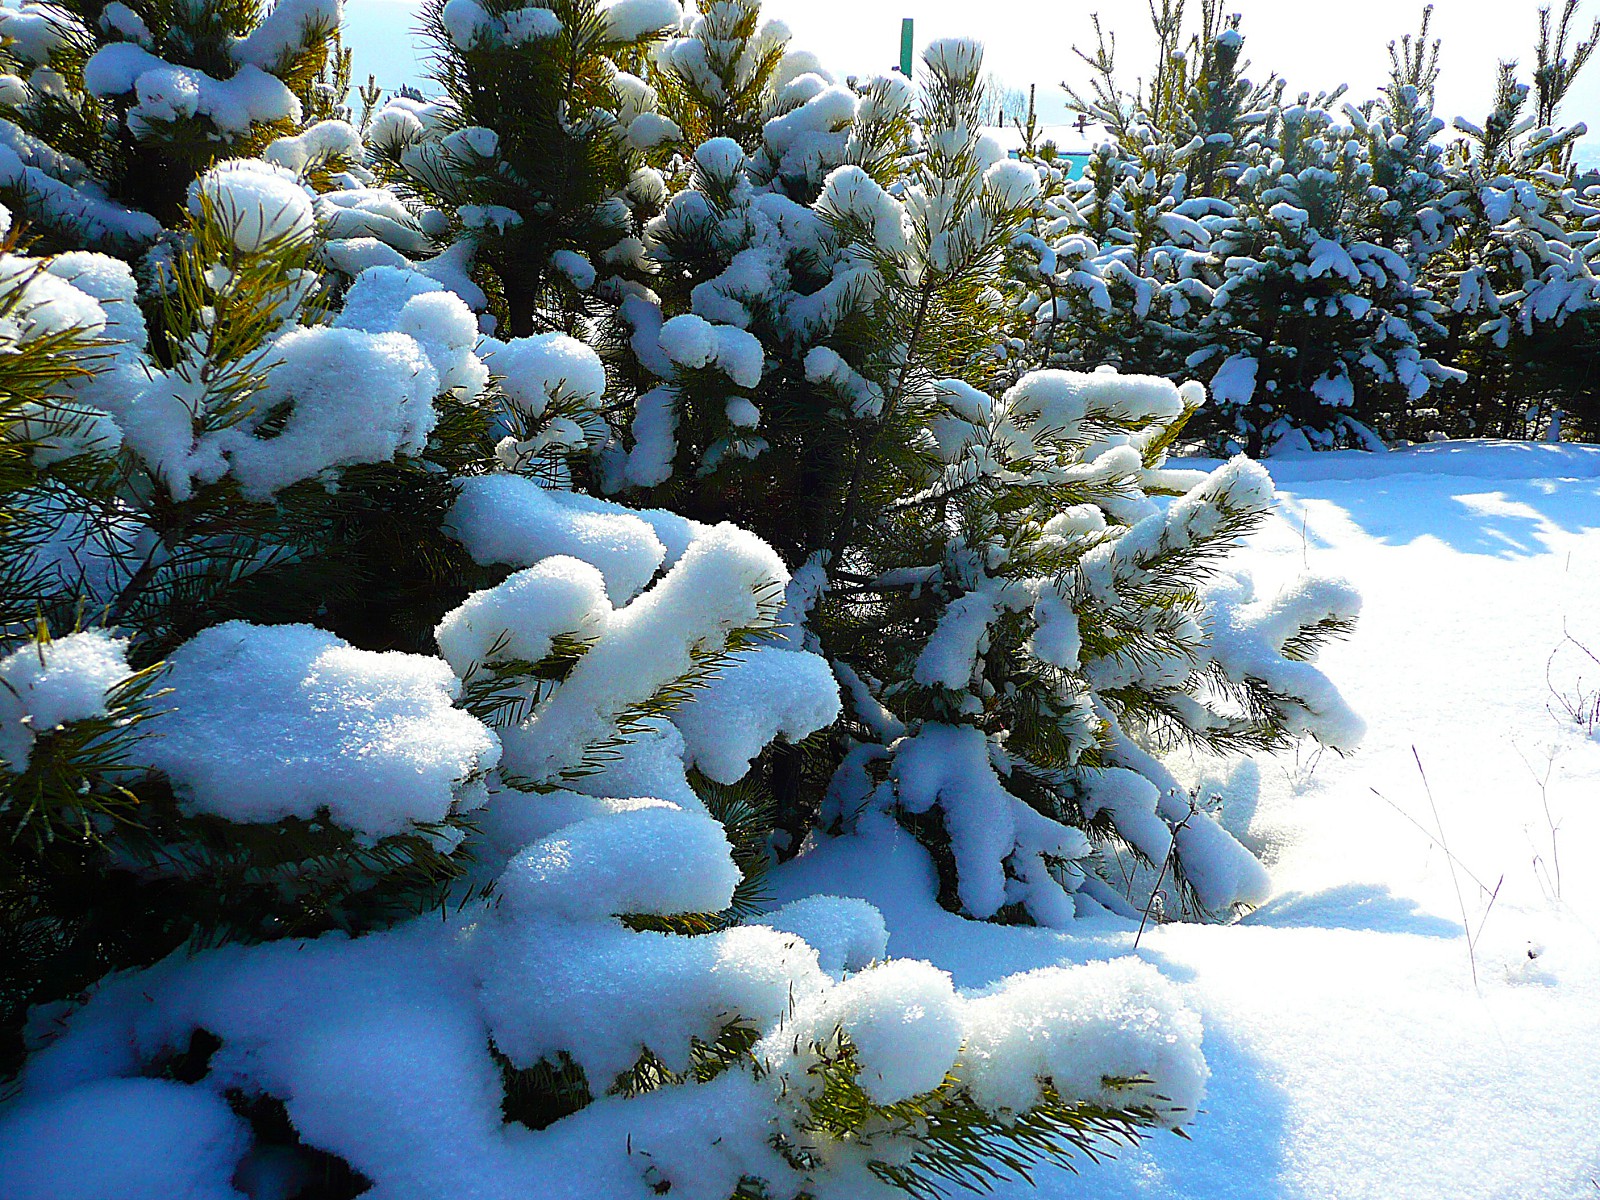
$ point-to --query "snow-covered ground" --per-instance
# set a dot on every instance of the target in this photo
(1362, 1045)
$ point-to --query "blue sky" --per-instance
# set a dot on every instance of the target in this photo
(1314, 45)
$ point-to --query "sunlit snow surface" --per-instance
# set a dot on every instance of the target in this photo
(1352, 1054)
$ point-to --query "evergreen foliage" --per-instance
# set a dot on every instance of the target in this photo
(112, 109)
(474, 548)
(1418, 295)
(829, 355)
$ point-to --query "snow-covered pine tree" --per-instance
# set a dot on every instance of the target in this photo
(1408, 161)
(537, 159)
(1414, 217)
(1133, 273)
(565, 1034)
(1310, 319)
(110, 110)
(1519, 279)
(147, 502)
(559, 1028)
(1198, 99)
(309, 767)
(1018, 626)
(1126, 260)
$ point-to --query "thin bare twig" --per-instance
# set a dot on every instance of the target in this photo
(1466, 927)
(1166, 865)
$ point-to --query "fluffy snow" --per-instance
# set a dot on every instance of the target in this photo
(135, 1139)
(267, 722)
(37, 31)
(903, 1018)
(255, 202)
(166, 93)
(285, 29)
(518, 620)
(717, 587)
(43, 686)
(639, 990)
(321, 142)
(755, 697)
(1235, 380)
(648, 860)
(693, 342)
(847, 934)
(330, 424)
(630, 20)
(29, 167)
(511, 519)
(1350, 1052)
(537, 370)
(1079, 1026)
(358, 212)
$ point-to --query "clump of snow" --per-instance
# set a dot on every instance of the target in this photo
(317, 144)
(401, 301)
(355, 213)
(255, 203)
(45, 685)
(165, 93)
(954, 58)
(286, 29)
(331, 422)
(536, 371)
(1249, 639)
(30, 168)
(1078, 1028)
(715, 588)
(1012, 183)
(1235, 380)
(951, 654)
(109, 281)
(848, 934)
(648, 860)
(267, 722)
(513, 520)
(630, 20)
(950, 767)
(641, 991)
(691, 341)
(578, 269)
(902, 1017)
(394, 127)
(518, 620)
(37, 31)
(755, 697)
